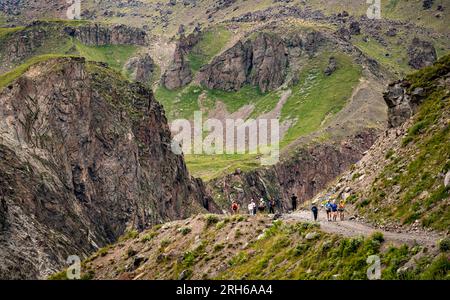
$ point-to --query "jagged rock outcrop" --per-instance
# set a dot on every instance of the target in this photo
(84, 156)
(312, 42)
(179, 72)
(421, 54)
(402, 105)
(140, 68)
(230, 70)
(332, 66)
(403, 99)
(354, 28)
(269, 62)
(262, 62)
(24, 43)
(99, 35)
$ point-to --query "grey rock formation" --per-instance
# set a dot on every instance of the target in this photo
(401, 103)
(230, 70)
(140, 68)
(354, 28)
(84, 157)
(269, 62)
(98, 35)
(179, 72)
(262, 62)
(332, 66)
(421, 54)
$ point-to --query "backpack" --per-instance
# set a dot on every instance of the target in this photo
(234, 206)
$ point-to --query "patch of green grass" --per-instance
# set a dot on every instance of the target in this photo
(422, 194)
(149, 236)
(286, 254)
(318, 96)
(211, 219)
(5, 31)
(209, 167)
(128, 235)
(185, 230)
(212, 42)
(12, 75)
(179, 103)
(114, 55)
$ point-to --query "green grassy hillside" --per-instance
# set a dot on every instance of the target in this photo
(56, 44)
(416, 168)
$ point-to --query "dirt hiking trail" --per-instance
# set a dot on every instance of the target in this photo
(355, 228)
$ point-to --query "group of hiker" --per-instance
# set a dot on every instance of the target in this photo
(271, 205)
(332, 209)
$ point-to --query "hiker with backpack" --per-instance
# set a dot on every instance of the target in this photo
(334, 209)
(341, 208)
(271, 206)
(262, 205)
(315, 210)
(234, 207)
(294, 202)
(328, 210)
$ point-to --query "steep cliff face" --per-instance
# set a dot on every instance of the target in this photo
(84, 156)
(269, 62)
(228, 71)
(262, 62)
(179, 72)
(22, 44)
(140, 68)
(98, 35)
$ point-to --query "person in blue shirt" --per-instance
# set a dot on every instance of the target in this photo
(334, 209)
(328, 209)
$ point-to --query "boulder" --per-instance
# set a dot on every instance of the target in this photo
(312, 235)
(332, 65)
(427, 4)
(354, 28)
(140, 68)
(421, 54)
(447, 179)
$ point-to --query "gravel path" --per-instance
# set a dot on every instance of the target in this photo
(355, 228)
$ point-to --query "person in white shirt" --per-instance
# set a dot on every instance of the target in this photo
(251, 208)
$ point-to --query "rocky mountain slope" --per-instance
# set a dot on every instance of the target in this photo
(85, 156)
(243, 247)
(19, 44)
(403, 180)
